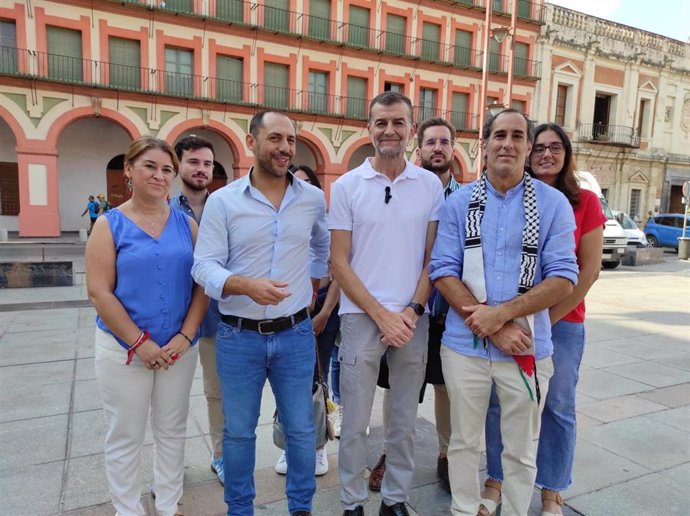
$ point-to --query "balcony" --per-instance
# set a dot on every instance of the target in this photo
(117, 77)
(526, 10)
(618, 135)
(462, 121)
(282, 21)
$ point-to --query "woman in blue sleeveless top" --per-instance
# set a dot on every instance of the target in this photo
(138, 275)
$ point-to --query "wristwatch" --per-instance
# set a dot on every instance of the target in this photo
(418, 309)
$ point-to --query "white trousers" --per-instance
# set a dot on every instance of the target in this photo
(468, 380)
(128, 394)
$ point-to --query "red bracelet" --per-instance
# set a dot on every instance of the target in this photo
(130, 352)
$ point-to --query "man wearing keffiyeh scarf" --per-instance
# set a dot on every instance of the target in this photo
(503, 255)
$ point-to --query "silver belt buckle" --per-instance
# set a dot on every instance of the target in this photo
(261, 332)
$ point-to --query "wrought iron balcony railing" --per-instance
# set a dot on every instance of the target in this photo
(89, 72)
(462, 121)
(265, 17)
(608, 134)
(526, 10)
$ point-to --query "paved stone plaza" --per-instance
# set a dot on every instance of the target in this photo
(633, 455)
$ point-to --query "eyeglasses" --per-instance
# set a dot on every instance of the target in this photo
(555, 148)
(431, 142)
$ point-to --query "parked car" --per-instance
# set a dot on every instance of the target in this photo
(635, 236)
(615, 240)
(665, 229)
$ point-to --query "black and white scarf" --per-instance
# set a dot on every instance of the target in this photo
(473, 261)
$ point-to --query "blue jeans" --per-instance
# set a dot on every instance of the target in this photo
(326, 340)
(557, 437)
(335, 376)
(245, 359)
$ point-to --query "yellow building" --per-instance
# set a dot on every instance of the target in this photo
(623, 94)
(80, 78)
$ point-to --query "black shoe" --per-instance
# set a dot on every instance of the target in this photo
(442, 469)
(357, 511)
(300, 513)
(398, 509)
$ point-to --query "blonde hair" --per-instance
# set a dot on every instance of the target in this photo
(146, 143)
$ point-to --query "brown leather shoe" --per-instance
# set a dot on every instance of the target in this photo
(442, 469)
(376, 476)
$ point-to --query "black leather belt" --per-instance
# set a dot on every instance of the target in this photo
(267, 326)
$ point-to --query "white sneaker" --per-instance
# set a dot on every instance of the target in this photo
(336, 420)
(281, 465)
(321, 462)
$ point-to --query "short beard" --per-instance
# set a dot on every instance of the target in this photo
(195, 187)
(436, 169)
(268, 167)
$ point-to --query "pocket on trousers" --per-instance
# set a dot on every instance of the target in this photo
(346, 357)
(304, 328)
(226, 331)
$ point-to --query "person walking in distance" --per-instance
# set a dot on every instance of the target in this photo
(383, 221)
(504, 254)
(92, 208)
(261, 240)
(196, 157)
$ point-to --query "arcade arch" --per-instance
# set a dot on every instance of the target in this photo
(85, 147)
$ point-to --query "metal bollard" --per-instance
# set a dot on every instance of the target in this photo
(83, 235)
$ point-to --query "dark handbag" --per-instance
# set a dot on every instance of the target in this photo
(322, 425)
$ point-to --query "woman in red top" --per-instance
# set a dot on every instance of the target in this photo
(552, 161)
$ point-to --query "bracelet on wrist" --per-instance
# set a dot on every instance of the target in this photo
(188, 339)
(143, 337)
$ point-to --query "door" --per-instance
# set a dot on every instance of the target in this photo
(117, 187)
(600, 127)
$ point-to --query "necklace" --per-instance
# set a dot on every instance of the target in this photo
(149, 226)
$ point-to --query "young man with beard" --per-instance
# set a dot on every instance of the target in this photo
(435, 140)
(261, 240)
(383, 221)
(504, 254)
(196, 157)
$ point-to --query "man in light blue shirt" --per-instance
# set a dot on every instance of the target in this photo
(503, 255)
(261, 240)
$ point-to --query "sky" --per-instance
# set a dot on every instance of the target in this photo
(669, 18)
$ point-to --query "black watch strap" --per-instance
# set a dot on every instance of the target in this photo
(418, 309)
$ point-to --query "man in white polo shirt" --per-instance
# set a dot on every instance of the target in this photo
(383, 222)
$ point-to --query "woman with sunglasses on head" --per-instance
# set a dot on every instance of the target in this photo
(138, 276)
(551, 161)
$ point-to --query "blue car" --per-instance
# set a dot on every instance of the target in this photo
(664, 230)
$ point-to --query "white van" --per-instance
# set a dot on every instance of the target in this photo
(615, 239)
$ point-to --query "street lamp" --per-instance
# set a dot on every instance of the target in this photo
(499, 34)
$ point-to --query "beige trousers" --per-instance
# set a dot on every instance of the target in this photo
(469, 381)
(214, 398)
